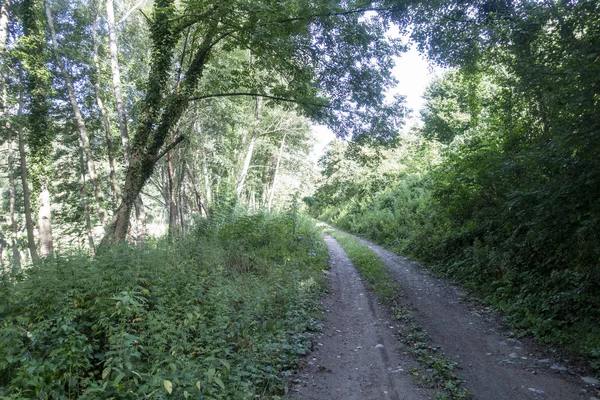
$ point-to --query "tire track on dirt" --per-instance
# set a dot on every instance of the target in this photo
(494, 365)
(358, 355)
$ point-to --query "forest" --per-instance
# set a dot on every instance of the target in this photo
(159, 188)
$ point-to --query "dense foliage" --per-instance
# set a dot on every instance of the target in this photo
(223, 313)
(501, 192)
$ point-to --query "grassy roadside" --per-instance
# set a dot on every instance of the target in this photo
(435, 370)
(224, 313)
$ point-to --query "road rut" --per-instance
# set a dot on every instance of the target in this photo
(494, 364)
(358, 355)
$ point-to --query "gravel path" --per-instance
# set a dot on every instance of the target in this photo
(358, 355)
(494, 365)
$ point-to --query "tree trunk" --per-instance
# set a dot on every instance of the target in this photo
(244, 172)
(172, 203)
(161, 110)
(16, 260)
(116, 190)
(79, 122)
(181, 196)
(199, 204)
(116, 231)
(245, 167)
(45, 223)
(207, 187)
(122, 114)
(4, 13)
(116, 78)
(26, 194)
(181, 209)
(275, 174)
(84, 204)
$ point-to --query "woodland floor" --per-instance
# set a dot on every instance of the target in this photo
(358, 355)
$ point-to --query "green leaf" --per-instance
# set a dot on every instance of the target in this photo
(226, 364)
(118, 379)
(168, 386)
(106, 372)
(219, 382)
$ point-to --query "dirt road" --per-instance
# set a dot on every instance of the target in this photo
(359, 357)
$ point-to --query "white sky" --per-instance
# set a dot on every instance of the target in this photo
(413, 73)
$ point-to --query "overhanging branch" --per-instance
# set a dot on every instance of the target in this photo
(169, 147)
(266, 96)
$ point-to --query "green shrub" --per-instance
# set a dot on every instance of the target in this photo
(222, 313)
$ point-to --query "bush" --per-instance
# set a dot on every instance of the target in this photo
(222, 313)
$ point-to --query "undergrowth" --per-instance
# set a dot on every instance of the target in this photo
(223, 313)
(436, 370)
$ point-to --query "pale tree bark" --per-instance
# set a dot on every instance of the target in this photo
(84, 203)
(4, 12)
(79, 121)
(181, 195)
(45, 223)
(116, 190)
(11, 182)
(241, 182)
(16, 259)
(29, 224)
(171, 194)
(116, 78)
(161, 109)
(249, 153)
(207, 187)
(276, 173)
(140, 212)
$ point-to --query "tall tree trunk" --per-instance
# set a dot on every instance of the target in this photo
(161, 109)
(45, 223)
(172, 203)
(11, 182)
(199, 204)
(181, 208)
(116, 78)
(4, 13)
(246, 166)
(207, 187)
(276, 173)
(122, 114)
(181, 196)
(79, 122)
(29, 224)
(116, 190)
(84, 204)
(16, 259)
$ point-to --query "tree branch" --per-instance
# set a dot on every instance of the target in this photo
(169, 147)
(333, 14)
(266, 96)
(128, 13)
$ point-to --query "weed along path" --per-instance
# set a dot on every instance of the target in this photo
(493, 364)
(358, 355)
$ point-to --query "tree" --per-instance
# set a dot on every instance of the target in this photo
(40, 133)
(331, 60)
(77, 115)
